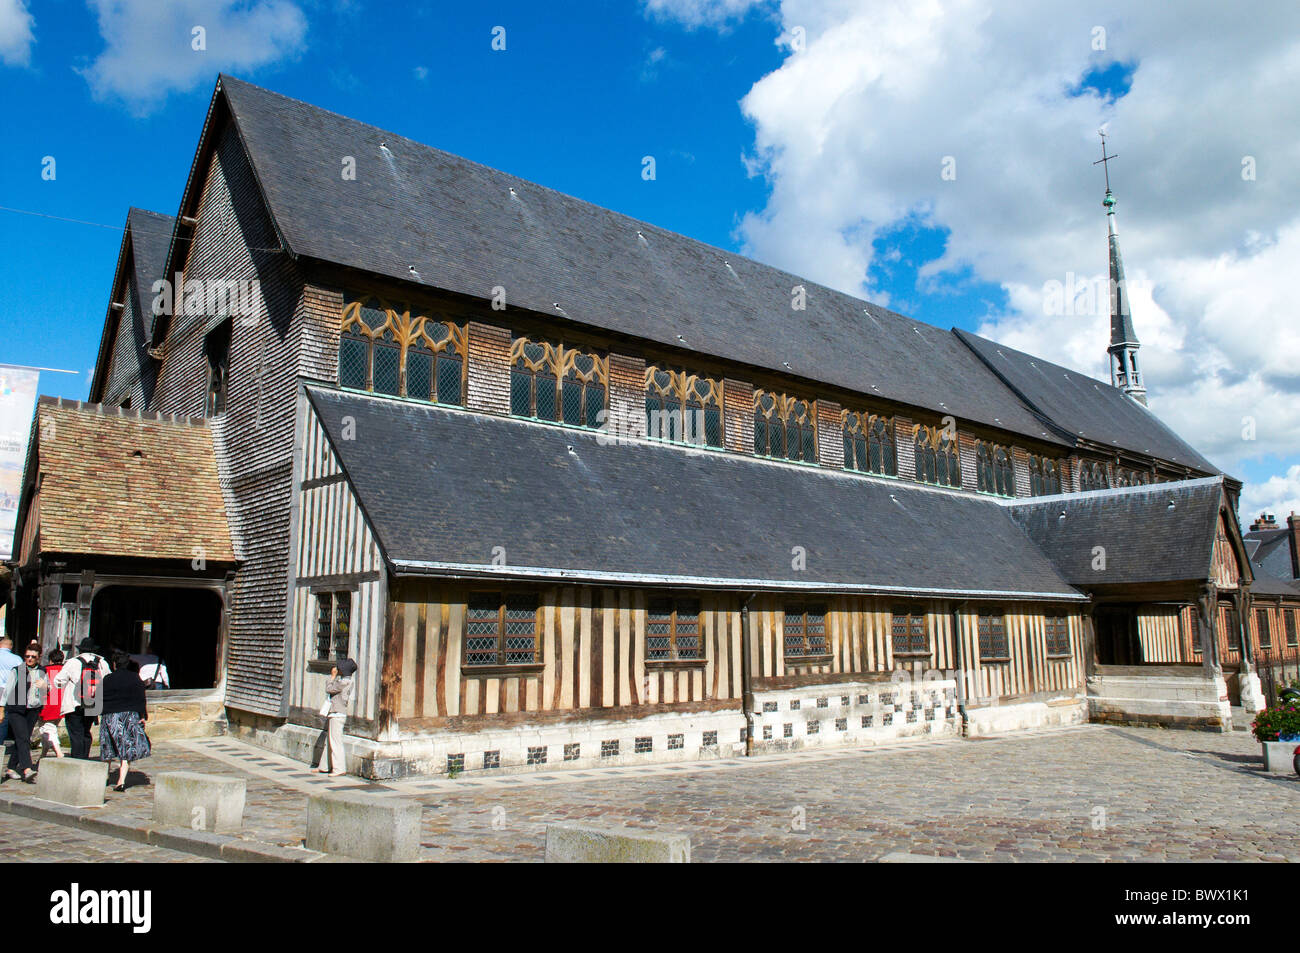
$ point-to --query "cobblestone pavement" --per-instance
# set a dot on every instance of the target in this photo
(1090, 793)
(25, 840)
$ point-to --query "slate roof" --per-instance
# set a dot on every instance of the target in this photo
(1272, 556)
(1266, 585)
(151, 234)
(1083, 406)
(125, 484)
(467, 228)
(1159, 533)
(441, 488)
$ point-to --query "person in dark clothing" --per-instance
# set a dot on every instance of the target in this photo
(121, 735)
(23, 710)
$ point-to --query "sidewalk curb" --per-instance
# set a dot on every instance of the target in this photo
(201, 843)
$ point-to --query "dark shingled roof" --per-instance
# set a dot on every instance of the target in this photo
(1085, 407)
(1266, 585)
(441, 488)
(1159, 533)
(467, 228)
(1272, 556)
(151, 234)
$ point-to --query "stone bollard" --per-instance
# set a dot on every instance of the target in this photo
(72, 781)
(364, 827)
(1279, 757)
(201, 802)
(574, 844)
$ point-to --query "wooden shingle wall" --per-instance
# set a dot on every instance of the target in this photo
(234, 240)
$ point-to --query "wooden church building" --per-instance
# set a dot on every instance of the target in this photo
(571, 488)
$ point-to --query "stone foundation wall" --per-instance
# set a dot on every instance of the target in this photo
(1184, 701)
(1027, 716)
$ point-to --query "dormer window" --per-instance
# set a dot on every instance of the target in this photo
(217, 347)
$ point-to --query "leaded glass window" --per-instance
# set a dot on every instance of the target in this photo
(1092, 476)
(501, 630)
(556, 383)
(1288, 618)
(681, 407)
(784, 427)
(333, 624)
(805, 632)
(908, 631)
(1044, 476)
(387, 349)
(1125, 476)
(936, 456)
(672, 630)
(869, 443)
(993, 469)
(992, 635)
(1058, 634)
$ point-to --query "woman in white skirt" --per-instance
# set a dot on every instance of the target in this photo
(338, 693)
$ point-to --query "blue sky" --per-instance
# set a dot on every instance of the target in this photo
(713, 90)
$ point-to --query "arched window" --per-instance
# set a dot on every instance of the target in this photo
(1127, 477)
(1092, 476)
(784, 427)
(683, 408)
(1044, 476)
(869, 443)
(551, 382)
(936, 457)
(994, 472)
(386, 349)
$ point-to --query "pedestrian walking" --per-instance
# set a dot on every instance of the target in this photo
(9, 665)
(80, 682)
(338, 694)
(52, 713)
(23, 704)
(122, 736)
(153, 670)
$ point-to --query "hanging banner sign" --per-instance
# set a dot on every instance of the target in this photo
(17, 404)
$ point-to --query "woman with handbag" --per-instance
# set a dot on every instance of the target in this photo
(338, 693)
(121, 733)
(23, 710)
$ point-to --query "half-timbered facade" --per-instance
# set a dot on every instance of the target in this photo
(574, 489)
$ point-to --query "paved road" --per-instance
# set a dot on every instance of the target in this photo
(1089, 794)
(23, 840)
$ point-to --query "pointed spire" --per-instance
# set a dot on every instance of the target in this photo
(1124, 345)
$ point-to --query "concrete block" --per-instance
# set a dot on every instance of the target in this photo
(72, 781)
(364, 826)
(575, 844)
(199, 802)
(1279, 757)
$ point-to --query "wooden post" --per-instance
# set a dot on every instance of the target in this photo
(85, 599)
(1206, 625)
(50, 595)
(390, 679)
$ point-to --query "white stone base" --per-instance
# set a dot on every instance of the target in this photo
(853, 713)
(1186, 701)
(1252, 693)
(654, 739)
(1027, 716)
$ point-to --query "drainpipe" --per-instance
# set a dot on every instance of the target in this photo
(959, 655)
(747, 675)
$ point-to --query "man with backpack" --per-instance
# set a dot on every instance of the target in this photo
(79, 682)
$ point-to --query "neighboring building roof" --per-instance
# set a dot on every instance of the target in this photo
(1159, 533)
(124, 484)
(1266, 585)
(467, 228)
(146, 237)
(442, 488)
(151, 234)
(1084, 407)
(1272, 556)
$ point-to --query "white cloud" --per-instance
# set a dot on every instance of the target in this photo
(149, 49)
(16, 36)
(1279, 495)
(852, 132)
(697, 13)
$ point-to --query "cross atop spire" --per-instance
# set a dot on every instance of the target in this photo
(1124, 372)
